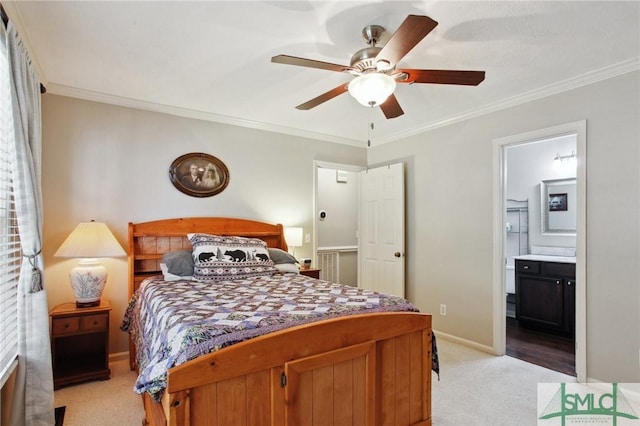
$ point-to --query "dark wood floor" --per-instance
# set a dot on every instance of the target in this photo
(547, 350)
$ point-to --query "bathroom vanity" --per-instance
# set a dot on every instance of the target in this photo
(545, 293)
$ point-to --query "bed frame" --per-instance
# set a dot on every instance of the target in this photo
(369, 369)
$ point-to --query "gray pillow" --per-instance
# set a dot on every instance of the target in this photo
(179, 262)
(280, 256)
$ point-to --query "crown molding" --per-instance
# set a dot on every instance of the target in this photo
(543, 92)
(72, 92)
(553, 89)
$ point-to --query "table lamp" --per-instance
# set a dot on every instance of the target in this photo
(89, 241)
(293, 237)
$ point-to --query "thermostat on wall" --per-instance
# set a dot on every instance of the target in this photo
(342, 176)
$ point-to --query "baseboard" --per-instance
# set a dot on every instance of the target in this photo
(120, 356)
(465, 342)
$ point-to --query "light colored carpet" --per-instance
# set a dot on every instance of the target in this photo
(103, 403)
(475, 389)
(479, 389)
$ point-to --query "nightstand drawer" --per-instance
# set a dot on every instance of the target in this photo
(94, 322)
(65, 325)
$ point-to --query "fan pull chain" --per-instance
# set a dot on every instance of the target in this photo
(369, 129)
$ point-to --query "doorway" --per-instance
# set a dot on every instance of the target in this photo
(335, 226)
(503, 148)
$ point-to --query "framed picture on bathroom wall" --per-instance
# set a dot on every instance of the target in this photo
(199, 175)
(558, 202)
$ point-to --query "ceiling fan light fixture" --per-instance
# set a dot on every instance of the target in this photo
(372, 89)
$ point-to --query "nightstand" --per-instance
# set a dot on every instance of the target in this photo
(80, 343)
(311, 272)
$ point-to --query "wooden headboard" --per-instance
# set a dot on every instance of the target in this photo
(148, 241)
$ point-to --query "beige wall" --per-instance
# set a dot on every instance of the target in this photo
(111, 164)
(450, 209)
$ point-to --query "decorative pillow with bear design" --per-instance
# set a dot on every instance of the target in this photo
(222, 258)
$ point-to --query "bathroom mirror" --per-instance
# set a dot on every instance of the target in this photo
(558, 206)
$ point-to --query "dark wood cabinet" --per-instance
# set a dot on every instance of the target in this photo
(545, 295)
(79, 343)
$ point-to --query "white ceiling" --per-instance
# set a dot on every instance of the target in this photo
(211, 59)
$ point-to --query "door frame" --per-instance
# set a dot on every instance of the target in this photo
(579, 128)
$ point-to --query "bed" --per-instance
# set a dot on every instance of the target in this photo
(360, 368)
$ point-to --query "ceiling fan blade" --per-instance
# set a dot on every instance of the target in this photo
(466, 78)
(310, 63)
(391, 108)
(411, 32)
(323, 98)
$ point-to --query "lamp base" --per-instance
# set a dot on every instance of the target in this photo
(87, 280)
(87, 304)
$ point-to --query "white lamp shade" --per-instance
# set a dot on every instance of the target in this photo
(372, 89)
(293, 236)
(90, 240)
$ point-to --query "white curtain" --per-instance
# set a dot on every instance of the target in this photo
(33, 400)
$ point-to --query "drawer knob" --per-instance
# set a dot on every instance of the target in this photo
(95, 323)
(558, 282)
(526, 267)
(66, 326)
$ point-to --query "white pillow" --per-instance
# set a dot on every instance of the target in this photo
(287, 267)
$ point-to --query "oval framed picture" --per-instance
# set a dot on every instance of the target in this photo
(199, 175)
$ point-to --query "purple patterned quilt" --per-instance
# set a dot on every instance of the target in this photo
(172, 322)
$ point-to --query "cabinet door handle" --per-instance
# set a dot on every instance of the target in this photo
(569, 282)
(558, 282)
(525, 267)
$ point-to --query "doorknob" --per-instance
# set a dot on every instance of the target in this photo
(397, 254)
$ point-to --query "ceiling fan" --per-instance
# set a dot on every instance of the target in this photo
(375, 68)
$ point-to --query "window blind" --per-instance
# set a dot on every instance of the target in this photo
(10, 252)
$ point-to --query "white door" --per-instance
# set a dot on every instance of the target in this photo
(381, 236)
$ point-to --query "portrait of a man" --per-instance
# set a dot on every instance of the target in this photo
(193, 179)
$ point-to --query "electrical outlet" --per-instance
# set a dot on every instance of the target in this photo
(443, 310)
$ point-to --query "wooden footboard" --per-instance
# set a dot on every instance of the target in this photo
(370, 369)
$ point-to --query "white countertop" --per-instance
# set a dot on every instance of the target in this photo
(546, 258)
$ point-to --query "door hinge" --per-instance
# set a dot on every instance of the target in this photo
(283, 380)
